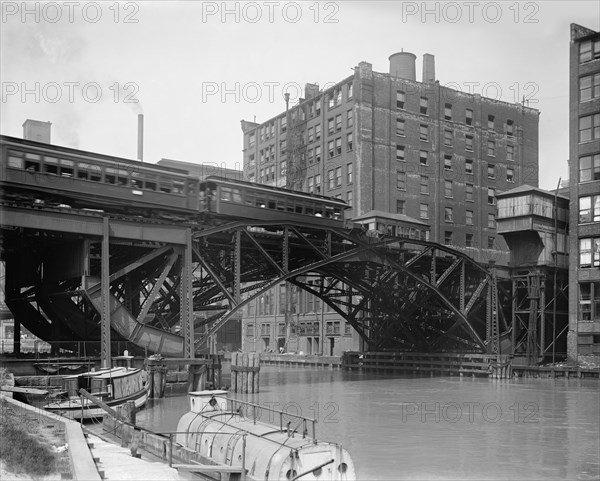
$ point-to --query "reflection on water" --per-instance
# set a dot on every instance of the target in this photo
(435, 428)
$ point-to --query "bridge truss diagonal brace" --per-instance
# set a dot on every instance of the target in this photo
(214, 276)
(156, 288)
(270, 284)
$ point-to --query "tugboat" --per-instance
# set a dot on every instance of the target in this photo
(114, 386)
(227, 435)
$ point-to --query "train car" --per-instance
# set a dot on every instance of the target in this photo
(248, 200)
(35, 171)
(213, 430)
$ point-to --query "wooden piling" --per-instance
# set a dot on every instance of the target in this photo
(245, 369)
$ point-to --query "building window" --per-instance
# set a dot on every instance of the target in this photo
(510, 175)
(331, 148)
(424, 211)
(589, 128)
(318, 184)
(423, 104)
(491, 171)
(510, 152)
(589, 252)
(318, 153)
(282, 146)
(469, 240)
(283, 124)
(349, 168)
(331, 125)
(331, 179)
(349, 197)
(448, 214)
(492, 221)
(250, 330)
(490, 242)
(338, 145)
(510, 128)
(349, 144)
(469, 192)
(423, 133)
(589, 168)
(400, 152)
(400, 99)
(338, 176)
(310, 185)
(350, 118)
(589, 209)
(469, 217)
(469, 142)
(401, 180)
(338, 122)
(491, 148)
(491, 197)
(311, 134)
(252, 139)
(448, 238)
(424, 184)
(491, 119)
(251, 160)
(282, 168)
(589, 301)
(400, 127)
(469, 117)
(448, 138)
(469, 166)
(423, 157)
(589, 50)
(350, 91)
(447, 161)
(317, 131)
(401, 206)
(448, 112)
(448, 188)
(589, 87)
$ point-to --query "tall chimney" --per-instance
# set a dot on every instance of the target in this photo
(140, 149)
(428, 68)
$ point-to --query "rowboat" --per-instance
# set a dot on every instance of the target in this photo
(113, 387)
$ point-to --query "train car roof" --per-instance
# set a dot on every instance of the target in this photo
(269, 188)
(5, 139)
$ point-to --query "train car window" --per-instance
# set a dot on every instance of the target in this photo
(122, 177)
(262, 203)
(66, 168)
(150, 183)
(225, 194)
(237, 196)
(82, 170)
(29, 155)
(15, 159)
(271, 205)
(135, 180)
(309, 210)
(165, 186)
(280, 205)
(51, 165)
(337, 213)
(299, 209)
(249, 198)
(178, 187)
(110, 175)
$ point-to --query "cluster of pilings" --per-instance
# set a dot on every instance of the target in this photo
(245, 372)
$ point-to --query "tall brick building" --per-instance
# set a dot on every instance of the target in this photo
(584, 192)
(407, 156)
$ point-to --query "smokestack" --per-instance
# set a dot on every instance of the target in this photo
(428, 68)
(140, 149)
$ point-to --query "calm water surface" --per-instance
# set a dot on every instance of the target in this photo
(435, 428)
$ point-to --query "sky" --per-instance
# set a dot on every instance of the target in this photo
(196, 69)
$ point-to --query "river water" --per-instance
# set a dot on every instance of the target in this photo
(434, 428)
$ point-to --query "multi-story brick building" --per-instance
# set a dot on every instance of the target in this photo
(584, 193)
(386, 143)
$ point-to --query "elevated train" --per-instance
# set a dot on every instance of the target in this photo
(38, 173)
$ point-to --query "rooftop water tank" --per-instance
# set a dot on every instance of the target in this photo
(402, 64)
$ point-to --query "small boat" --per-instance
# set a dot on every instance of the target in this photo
(113, 387)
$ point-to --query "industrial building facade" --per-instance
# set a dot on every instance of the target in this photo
(410, 158)
(584, 191)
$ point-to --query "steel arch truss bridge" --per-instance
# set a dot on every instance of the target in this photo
(397, 293)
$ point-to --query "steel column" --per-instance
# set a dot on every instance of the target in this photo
(185, 298)
(105, 354)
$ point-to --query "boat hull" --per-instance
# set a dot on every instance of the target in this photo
(72, 408)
